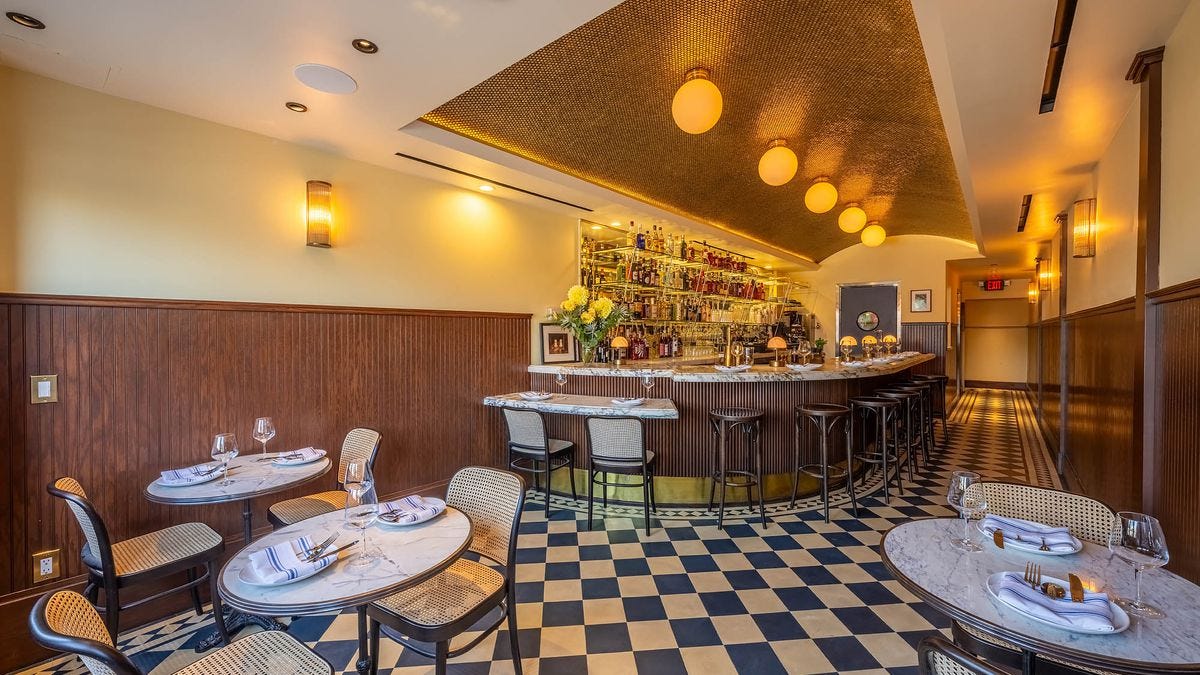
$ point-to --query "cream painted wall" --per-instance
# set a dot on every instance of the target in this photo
(995, 341)
(112, 197)
(1178, 259)
(8, 186)
(1110, 275)
(917, 261)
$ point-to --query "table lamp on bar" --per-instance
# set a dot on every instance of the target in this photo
(777, 343)
(619, 344)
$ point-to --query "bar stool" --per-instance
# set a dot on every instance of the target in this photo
(884, 412)
(939, 401)
(724, 421)
(908, 424)
(618, 445)
(926, 390)
(532, 451)
(824, 416)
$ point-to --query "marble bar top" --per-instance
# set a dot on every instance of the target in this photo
(830, 370)
(576, 404)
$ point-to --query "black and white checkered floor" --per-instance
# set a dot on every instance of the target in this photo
(801, 597)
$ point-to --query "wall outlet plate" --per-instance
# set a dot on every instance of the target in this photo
(47, 565)
(43, 388)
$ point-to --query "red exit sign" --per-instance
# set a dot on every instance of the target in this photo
(993, 285)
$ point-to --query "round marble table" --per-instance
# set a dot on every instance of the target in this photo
(920, 557)
(409, 555)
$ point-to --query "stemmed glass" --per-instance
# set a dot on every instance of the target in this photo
(362, 507)
(1138, 539)
(647, 382)
(560, 378)
(264, 430)
(224, 448)
(970, 503)
(804, 351)
(846, 352)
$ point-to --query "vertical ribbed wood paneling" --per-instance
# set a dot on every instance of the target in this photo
(1100, 444)
(1032, 367)
(927, 338)
(685, 445)
(1051, 381)
(1177, 455)
(144, 385)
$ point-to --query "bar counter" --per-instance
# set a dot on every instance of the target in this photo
(684, 446)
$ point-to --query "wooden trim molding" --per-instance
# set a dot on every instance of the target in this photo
(1139, 69)
(1183, 291)
(1123, 305)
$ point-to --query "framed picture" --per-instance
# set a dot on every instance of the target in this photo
(920, 301)
(558, 345)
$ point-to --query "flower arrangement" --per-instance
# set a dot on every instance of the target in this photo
(588, 321)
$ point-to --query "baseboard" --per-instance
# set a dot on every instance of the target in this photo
(987, 384)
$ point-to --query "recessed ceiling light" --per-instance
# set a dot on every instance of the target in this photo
(486, 188)
(295, 107)
(597, 227)
(615, 223)
(364, 45)
(25, 20)
(325, 78)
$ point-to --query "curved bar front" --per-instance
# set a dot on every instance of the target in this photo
(684, 447)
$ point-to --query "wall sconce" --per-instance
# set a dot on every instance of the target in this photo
(1033, 293)
(319, 213)
(1043, 275)
(1083, 237)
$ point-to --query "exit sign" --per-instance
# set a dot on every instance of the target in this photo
(993, 284)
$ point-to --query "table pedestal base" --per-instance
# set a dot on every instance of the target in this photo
(234, 622)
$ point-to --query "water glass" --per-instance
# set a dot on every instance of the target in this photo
(969, 503)
(1138, 539)
(362, 510)
(224, 448)
(647, 382)
(264, 430)
(560, 378)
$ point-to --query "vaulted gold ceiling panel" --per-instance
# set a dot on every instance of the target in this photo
(844, 81)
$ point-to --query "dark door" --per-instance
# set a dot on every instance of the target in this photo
(879, 299)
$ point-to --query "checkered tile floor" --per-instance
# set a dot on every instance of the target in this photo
(802, 596)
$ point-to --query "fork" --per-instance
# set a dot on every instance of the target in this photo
(317, 550)
(1043, 547)
(1033, 575)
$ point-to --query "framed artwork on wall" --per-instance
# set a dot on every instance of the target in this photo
(920, 301)
(558, 345)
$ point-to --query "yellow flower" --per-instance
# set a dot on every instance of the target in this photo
(577, 295)
(568, 306)
(602, 307)
(588, 316)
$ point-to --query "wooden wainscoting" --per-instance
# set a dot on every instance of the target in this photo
(927, 337)
(1051, 399)
(144, 384)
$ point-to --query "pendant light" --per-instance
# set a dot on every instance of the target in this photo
(778, 164)
(874, 234)
(852, 219)
(821, 196)
(697, 104)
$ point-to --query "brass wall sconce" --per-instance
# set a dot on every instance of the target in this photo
(318, 213)
(1041, 270)
(1083, 234)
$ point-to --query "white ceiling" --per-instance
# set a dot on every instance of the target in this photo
(988, 61)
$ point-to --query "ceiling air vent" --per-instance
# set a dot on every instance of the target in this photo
(1064, 16)
(1024, 212)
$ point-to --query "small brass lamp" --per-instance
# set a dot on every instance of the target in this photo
(619, 345)
(777, 343)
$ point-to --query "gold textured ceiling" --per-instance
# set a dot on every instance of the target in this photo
(844, 81)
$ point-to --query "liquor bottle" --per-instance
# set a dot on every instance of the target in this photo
(641, 238)
(630, 237)
(621, 269)
(637, 308)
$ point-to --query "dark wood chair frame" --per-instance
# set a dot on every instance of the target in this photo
(539, 462)
(955, 654)
(603, 468)
(341, 478)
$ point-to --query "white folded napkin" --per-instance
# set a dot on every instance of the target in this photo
(412, 509)
(1057, 538)
(188, 475)
(282, 563)
(534, 395)
(301, 456)
(1094, 613)
(732, 369)
(628, 402)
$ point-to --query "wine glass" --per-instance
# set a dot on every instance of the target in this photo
(846, 351)
(647, 382)
(1138, 539)
(560, 378)
(362, 510)
(970, 503)
(804, 351)
(224, 448)
(264, 430)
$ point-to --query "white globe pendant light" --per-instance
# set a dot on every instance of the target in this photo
(821, 196)
(778, 164)
(697, 103)
(852, 218)
(873, 235)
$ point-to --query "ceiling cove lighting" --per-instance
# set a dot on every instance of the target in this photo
(319, 213)
(1064, 16)
(778, 164)
(1023, 215)
(296, 107)
(873, 235)
(852, 219)
(697, 103)
(509, 186)
(821, 196)
(1083, 234)
(364, 45)
(25, 20)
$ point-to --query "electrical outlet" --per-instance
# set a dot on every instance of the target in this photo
(46, 565)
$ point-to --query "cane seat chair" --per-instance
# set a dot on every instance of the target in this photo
(618, 445)
(66, 622)
(1088, 519)
(532, 451)
(937, 656)
(455, 600)
(360, 445)
(111, 567)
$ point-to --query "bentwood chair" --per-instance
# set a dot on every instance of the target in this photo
(937, 656)
(618, 445)
(433, 613)
(1087, 518)
(532, 451)
(66, 622)
(361, 445)
(115, 566)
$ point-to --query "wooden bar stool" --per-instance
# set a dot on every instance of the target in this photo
(926, 390)
(909, 434)
(824, 416)
(939, 402)
(879, 415)
(725, 421)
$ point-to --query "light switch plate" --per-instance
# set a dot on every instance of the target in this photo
(43, 388)
(47, 565)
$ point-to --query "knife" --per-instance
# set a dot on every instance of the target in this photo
(1076, 588)
(998, 538)
(319, 548)
(334, 551)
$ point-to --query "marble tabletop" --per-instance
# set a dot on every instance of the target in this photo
(409, 555)
(249, 478)
(921, 558)
(830, 370)
(576, 404)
